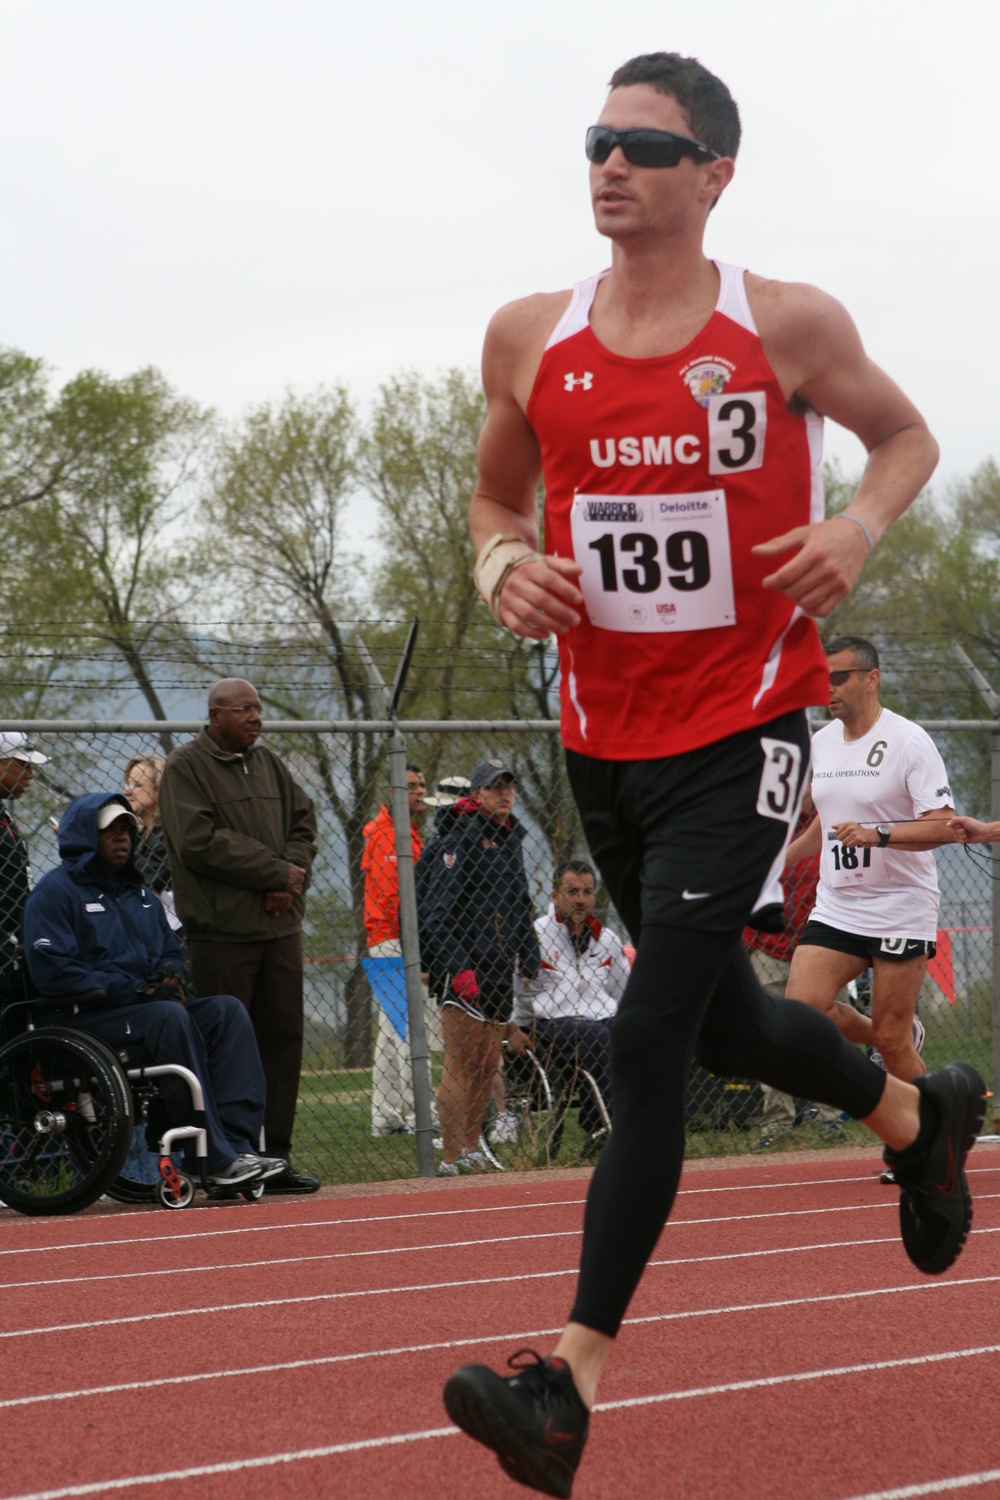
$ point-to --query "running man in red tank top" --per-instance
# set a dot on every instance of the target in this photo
(674, 408)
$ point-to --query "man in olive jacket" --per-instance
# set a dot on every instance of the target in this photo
(241, 838)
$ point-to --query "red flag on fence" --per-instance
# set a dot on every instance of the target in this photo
(940, 967)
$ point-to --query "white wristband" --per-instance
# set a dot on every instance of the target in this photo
(497, 560)
(844, 516)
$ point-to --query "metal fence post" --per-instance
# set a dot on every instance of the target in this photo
(410, 942)
(992, 701)
(409, 936)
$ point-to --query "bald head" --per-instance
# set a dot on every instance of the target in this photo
(230, 690)
(234, 717)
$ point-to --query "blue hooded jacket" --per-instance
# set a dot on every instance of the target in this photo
(473, 900)
(84, 931)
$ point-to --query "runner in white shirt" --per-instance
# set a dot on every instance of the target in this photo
(882, 804)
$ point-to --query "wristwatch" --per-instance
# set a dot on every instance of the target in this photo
(883, 830)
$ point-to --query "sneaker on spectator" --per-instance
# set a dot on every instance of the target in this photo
(275, 1166)
(503, 1131)
(533, 1420)
(448, 1169)
(475, 1161)
(245, 1168)
(935, 1205)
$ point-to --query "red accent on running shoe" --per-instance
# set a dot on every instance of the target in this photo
(948, 1186)
(552, 1435)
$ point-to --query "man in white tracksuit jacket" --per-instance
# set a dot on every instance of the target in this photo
(568, 1008)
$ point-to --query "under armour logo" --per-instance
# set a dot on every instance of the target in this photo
(585, 380)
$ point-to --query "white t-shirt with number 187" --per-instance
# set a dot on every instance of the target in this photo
(891, 775)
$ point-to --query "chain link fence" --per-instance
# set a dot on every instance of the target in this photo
(359, 1117)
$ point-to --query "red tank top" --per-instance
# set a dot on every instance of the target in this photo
(660, 475)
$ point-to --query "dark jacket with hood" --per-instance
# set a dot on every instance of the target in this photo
(233, 822)
(474, 904)
(86, 931)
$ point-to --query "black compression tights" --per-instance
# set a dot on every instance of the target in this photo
(691, 995)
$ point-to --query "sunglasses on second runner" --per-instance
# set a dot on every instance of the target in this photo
(645, 148)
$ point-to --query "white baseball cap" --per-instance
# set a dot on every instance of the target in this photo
(448, 790)
(110, 813)
(16, 746)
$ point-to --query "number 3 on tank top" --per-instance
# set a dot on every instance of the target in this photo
(780, 782)
(655, 563)
(736, 427)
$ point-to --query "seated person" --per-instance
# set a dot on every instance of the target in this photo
(93, 924)
(569, 1007)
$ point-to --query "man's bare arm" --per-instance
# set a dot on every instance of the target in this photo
(917, 836)
(809, 842)
(539, 596)
(818, 356)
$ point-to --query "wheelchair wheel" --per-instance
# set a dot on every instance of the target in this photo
(179, 1194)
(65, 1121)
(532, 1104)
(139, 1179)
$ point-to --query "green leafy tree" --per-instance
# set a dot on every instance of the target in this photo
(31, 461)
(419, 462)
(275, 514)
(96, 557)
(933, 583)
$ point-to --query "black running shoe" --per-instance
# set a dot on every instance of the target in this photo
(935, 1205)
(534, 1420)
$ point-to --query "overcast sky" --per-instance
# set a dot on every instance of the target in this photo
(256, 194)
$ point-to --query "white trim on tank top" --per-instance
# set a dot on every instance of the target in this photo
(732, 302)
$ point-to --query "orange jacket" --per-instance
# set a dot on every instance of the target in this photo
(378, 862)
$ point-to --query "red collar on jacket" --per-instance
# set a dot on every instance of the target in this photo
(465, 805)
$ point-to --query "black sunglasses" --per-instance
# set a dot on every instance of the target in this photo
(644, 148)
(837, 679)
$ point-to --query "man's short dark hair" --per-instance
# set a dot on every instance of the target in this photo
(864, 651)
(572, 867)
(708, 104)
(417, 770)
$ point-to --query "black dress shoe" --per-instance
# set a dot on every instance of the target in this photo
(292, 1182)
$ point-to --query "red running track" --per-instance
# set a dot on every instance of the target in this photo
(780, 1344)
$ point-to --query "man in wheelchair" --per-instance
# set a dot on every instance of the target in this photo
(93, 924)
(568, 1008)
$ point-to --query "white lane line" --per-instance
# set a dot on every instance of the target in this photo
(800, 1377)
(511, 1239)
(293, 1260)
(933, 1486)
(435, 1213)
(515, 1239)
(235, 1466)
(483, 1339)
(433, 1286)
(270, 1460)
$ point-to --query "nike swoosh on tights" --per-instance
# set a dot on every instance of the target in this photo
(694, 895)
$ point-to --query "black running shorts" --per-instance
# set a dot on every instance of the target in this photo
(894, 950)
(695, 840)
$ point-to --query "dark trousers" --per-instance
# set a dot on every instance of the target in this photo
(574, 1041)
(211, 1036)
(267, 977)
